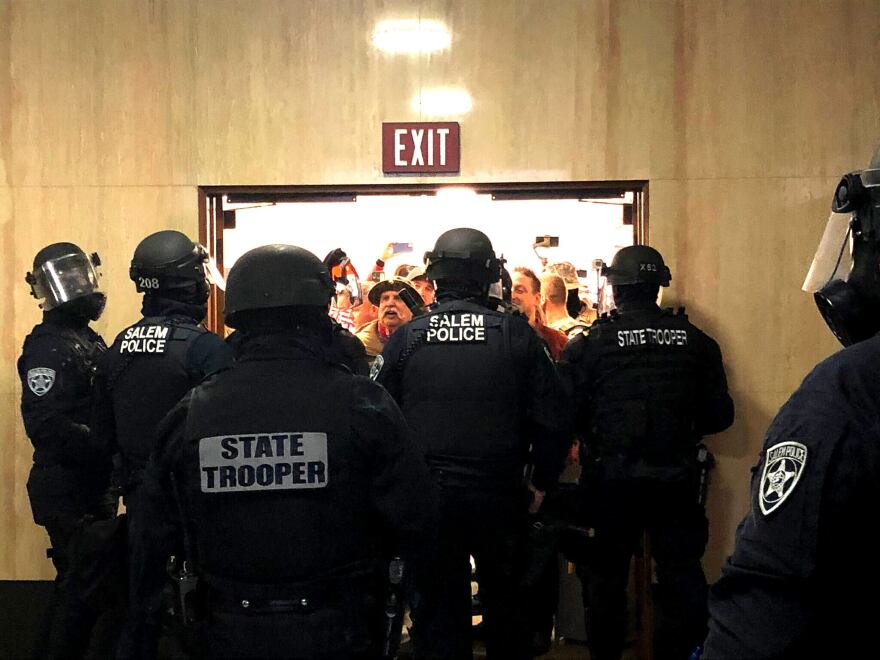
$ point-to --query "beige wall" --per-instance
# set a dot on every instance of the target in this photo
(741, 114)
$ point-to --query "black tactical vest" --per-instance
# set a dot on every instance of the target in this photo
(461, 394)
(147, 373)
(645, 367)
(275, 490)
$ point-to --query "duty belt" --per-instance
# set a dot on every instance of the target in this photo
(467, 472)
(302, 597)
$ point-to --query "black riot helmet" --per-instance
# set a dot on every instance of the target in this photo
(844, 277)
(63, 276)
(637, 264)
(276, 276)
(463, 259)
(168, 263)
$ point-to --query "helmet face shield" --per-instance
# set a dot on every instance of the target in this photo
(844, 277)
(843, 282)
(833, 260)
(65, 278)
(870, 178)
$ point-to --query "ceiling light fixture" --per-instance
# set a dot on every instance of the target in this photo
(411, 36)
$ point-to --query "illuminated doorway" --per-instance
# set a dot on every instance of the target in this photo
(583, 220)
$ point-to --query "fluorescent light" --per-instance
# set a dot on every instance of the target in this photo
(411, 36)
(456, 192)
(440, 101)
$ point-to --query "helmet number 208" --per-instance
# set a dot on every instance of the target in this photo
(148, 282)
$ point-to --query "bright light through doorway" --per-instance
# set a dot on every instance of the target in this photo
(586, 230)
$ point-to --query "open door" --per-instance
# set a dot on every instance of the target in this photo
(211, 224)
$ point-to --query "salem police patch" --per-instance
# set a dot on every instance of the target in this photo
(144, 339)
(464, 328)
(263, 461)
(783, 467)
(378, 363)
(40, 380)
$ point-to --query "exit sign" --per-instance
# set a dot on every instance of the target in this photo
(421, 147)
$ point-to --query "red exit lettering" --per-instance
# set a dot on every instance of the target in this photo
(421, 147)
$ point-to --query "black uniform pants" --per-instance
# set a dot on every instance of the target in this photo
(543, 599)
(140, 634)
(490, 526)
(77, 625)
(678, 532)
(69, 623)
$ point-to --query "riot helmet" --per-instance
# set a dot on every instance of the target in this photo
(844, 276)
(169, 264)
(463, 259)
(637, 264)
(63, 275)
(276, 276)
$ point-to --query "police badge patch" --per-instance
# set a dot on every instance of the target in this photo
(40, 380)
(783, 467)
(378, 363)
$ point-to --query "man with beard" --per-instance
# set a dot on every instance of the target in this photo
(393, 313)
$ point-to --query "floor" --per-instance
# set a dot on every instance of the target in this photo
(561, 650)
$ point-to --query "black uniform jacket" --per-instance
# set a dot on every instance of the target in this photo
(288, 469)
(478, 387)
(801, 581)
(56, 368)
(337, 346)
(647, 385)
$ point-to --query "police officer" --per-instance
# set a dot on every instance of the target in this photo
(799, 582)
(152, 363)
(70, 478)
(293, 475)
(647, 384)
(477, 387)
(343, 348)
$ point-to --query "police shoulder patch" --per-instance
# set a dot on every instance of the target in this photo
(378, 363)
(40, 380)
(784, 464)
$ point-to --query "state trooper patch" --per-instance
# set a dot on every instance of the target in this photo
(40, 380)
(378, 363)
(783, 467)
